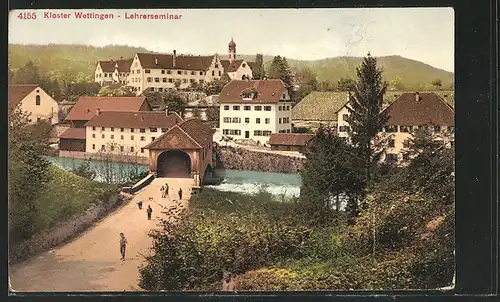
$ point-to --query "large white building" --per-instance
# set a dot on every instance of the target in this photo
(112, 72)
(254, 109)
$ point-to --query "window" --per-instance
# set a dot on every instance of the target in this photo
(132, 130)
(247, 108)
(392, 143)
(122, 129)
(391, 129)
(169, 71)
(267, 120)
(102, 128)
(149, 79)
(105, 75)
(202, 81)
(170, 80)
(163, 129)
(267, 108)
(437, 128)
(287, 130)
(192, 80)
(266, 133)
(131, 149)
(247, 120)
(93, 128)
(226, 107)
(93, 146)
(147, 71)
(287, 108)
(121, 137)
(163, 72)
(143, 138)
(185, 72)
(258, 108)
(257, 133)
(164, 80)
(236, 120)
(153, 139)
(131, 137)
(279, 108)
(112, 148)
(284, 96)
(404, 128)
(193, 73)
(345, 116)
(38, 100)
(213, 73)
(121, 148)
(142, 150)
(220, 73)
(343, 128)
(102, 147)
(142, 130)
(160, 89)
(102, 135)
(153, 129)
(179, 72)
(226, 120)
(112, 136)
(236, 107)
(279, 120)
(257, 120)
(216, 65)
(93, 135)
(286, 120)
(201, 72)
(112, 129)
(184, 80)
(157, 80)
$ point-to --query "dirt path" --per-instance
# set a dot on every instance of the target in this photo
(92, 262)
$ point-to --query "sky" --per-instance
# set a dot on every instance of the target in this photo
(423, 34)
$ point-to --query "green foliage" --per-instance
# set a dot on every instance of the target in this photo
(397, 84)
(280, 69)
(332, 168)
(307, 82)
(258, 69)
(118, 91)
(437, 83)
(345, 84)
(215, 86)
(213, 114)
(365, 117)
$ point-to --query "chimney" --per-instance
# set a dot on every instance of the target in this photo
(97, 111)
(166, 111)
(173, 58)
(417, 97)
(121, 58)
(156, 61)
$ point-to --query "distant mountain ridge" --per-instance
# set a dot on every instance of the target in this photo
(82, 59)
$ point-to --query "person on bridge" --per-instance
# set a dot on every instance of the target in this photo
(123, 245)
(166, 189)
(162, 190)
(150, 211)
(139, 204)
(180, 193)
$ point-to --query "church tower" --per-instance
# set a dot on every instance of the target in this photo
(232, 51)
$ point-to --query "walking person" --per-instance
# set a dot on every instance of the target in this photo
(150, 211)
(139, 204)
(162, 191)
(123, 245)
(166, 189)
(180, 194)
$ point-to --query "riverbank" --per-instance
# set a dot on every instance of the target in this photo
(229, 157)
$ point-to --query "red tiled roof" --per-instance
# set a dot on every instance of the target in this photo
(73, 133)
(290, 139)
(231, 67)
(85, 107)
(18, 92)
(190, 134)
(123, 65)
(181, 61)
(429, 110)
(142, 119)
(268, 91)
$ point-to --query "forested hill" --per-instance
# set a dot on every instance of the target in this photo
(75, 60)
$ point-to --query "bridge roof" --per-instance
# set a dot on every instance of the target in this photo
(190, 134)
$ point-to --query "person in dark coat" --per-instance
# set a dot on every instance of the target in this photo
(149, 211)
(123, 245)
(166, 189)
(139, 204)
(180, 194)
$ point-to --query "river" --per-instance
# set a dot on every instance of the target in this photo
(249, 182)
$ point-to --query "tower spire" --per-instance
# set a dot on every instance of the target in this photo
(232, 50)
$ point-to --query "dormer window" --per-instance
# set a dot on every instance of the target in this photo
(244, 65)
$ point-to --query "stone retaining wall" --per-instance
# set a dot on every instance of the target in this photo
(66, 230)
(242, 159)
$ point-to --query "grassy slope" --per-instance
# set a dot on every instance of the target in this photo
(80, 58)
(67, 194)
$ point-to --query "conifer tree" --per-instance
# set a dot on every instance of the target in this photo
(280, 69)
(366, 118)
(258, 72)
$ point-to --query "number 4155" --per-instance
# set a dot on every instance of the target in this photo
(26, 15)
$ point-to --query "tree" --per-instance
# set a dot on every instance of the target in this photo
(258, 70)
(177, 84)
(213, 113)
(437, 83)
(28, 74)
(174, 102)
(366, 118)
(397, 84)
(28, 172)
(326, 86)
(215, 86)
(307, 82)
(119, 91)
(10, 76)
(345, 84)
(280, 69)
(333, 168)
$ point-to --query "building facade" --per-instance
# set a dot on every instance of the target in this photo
(254, 109)
(236, 69)
(126, 133)
(290, 141)
(161, 72)
(33, 100)
(112, 72)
